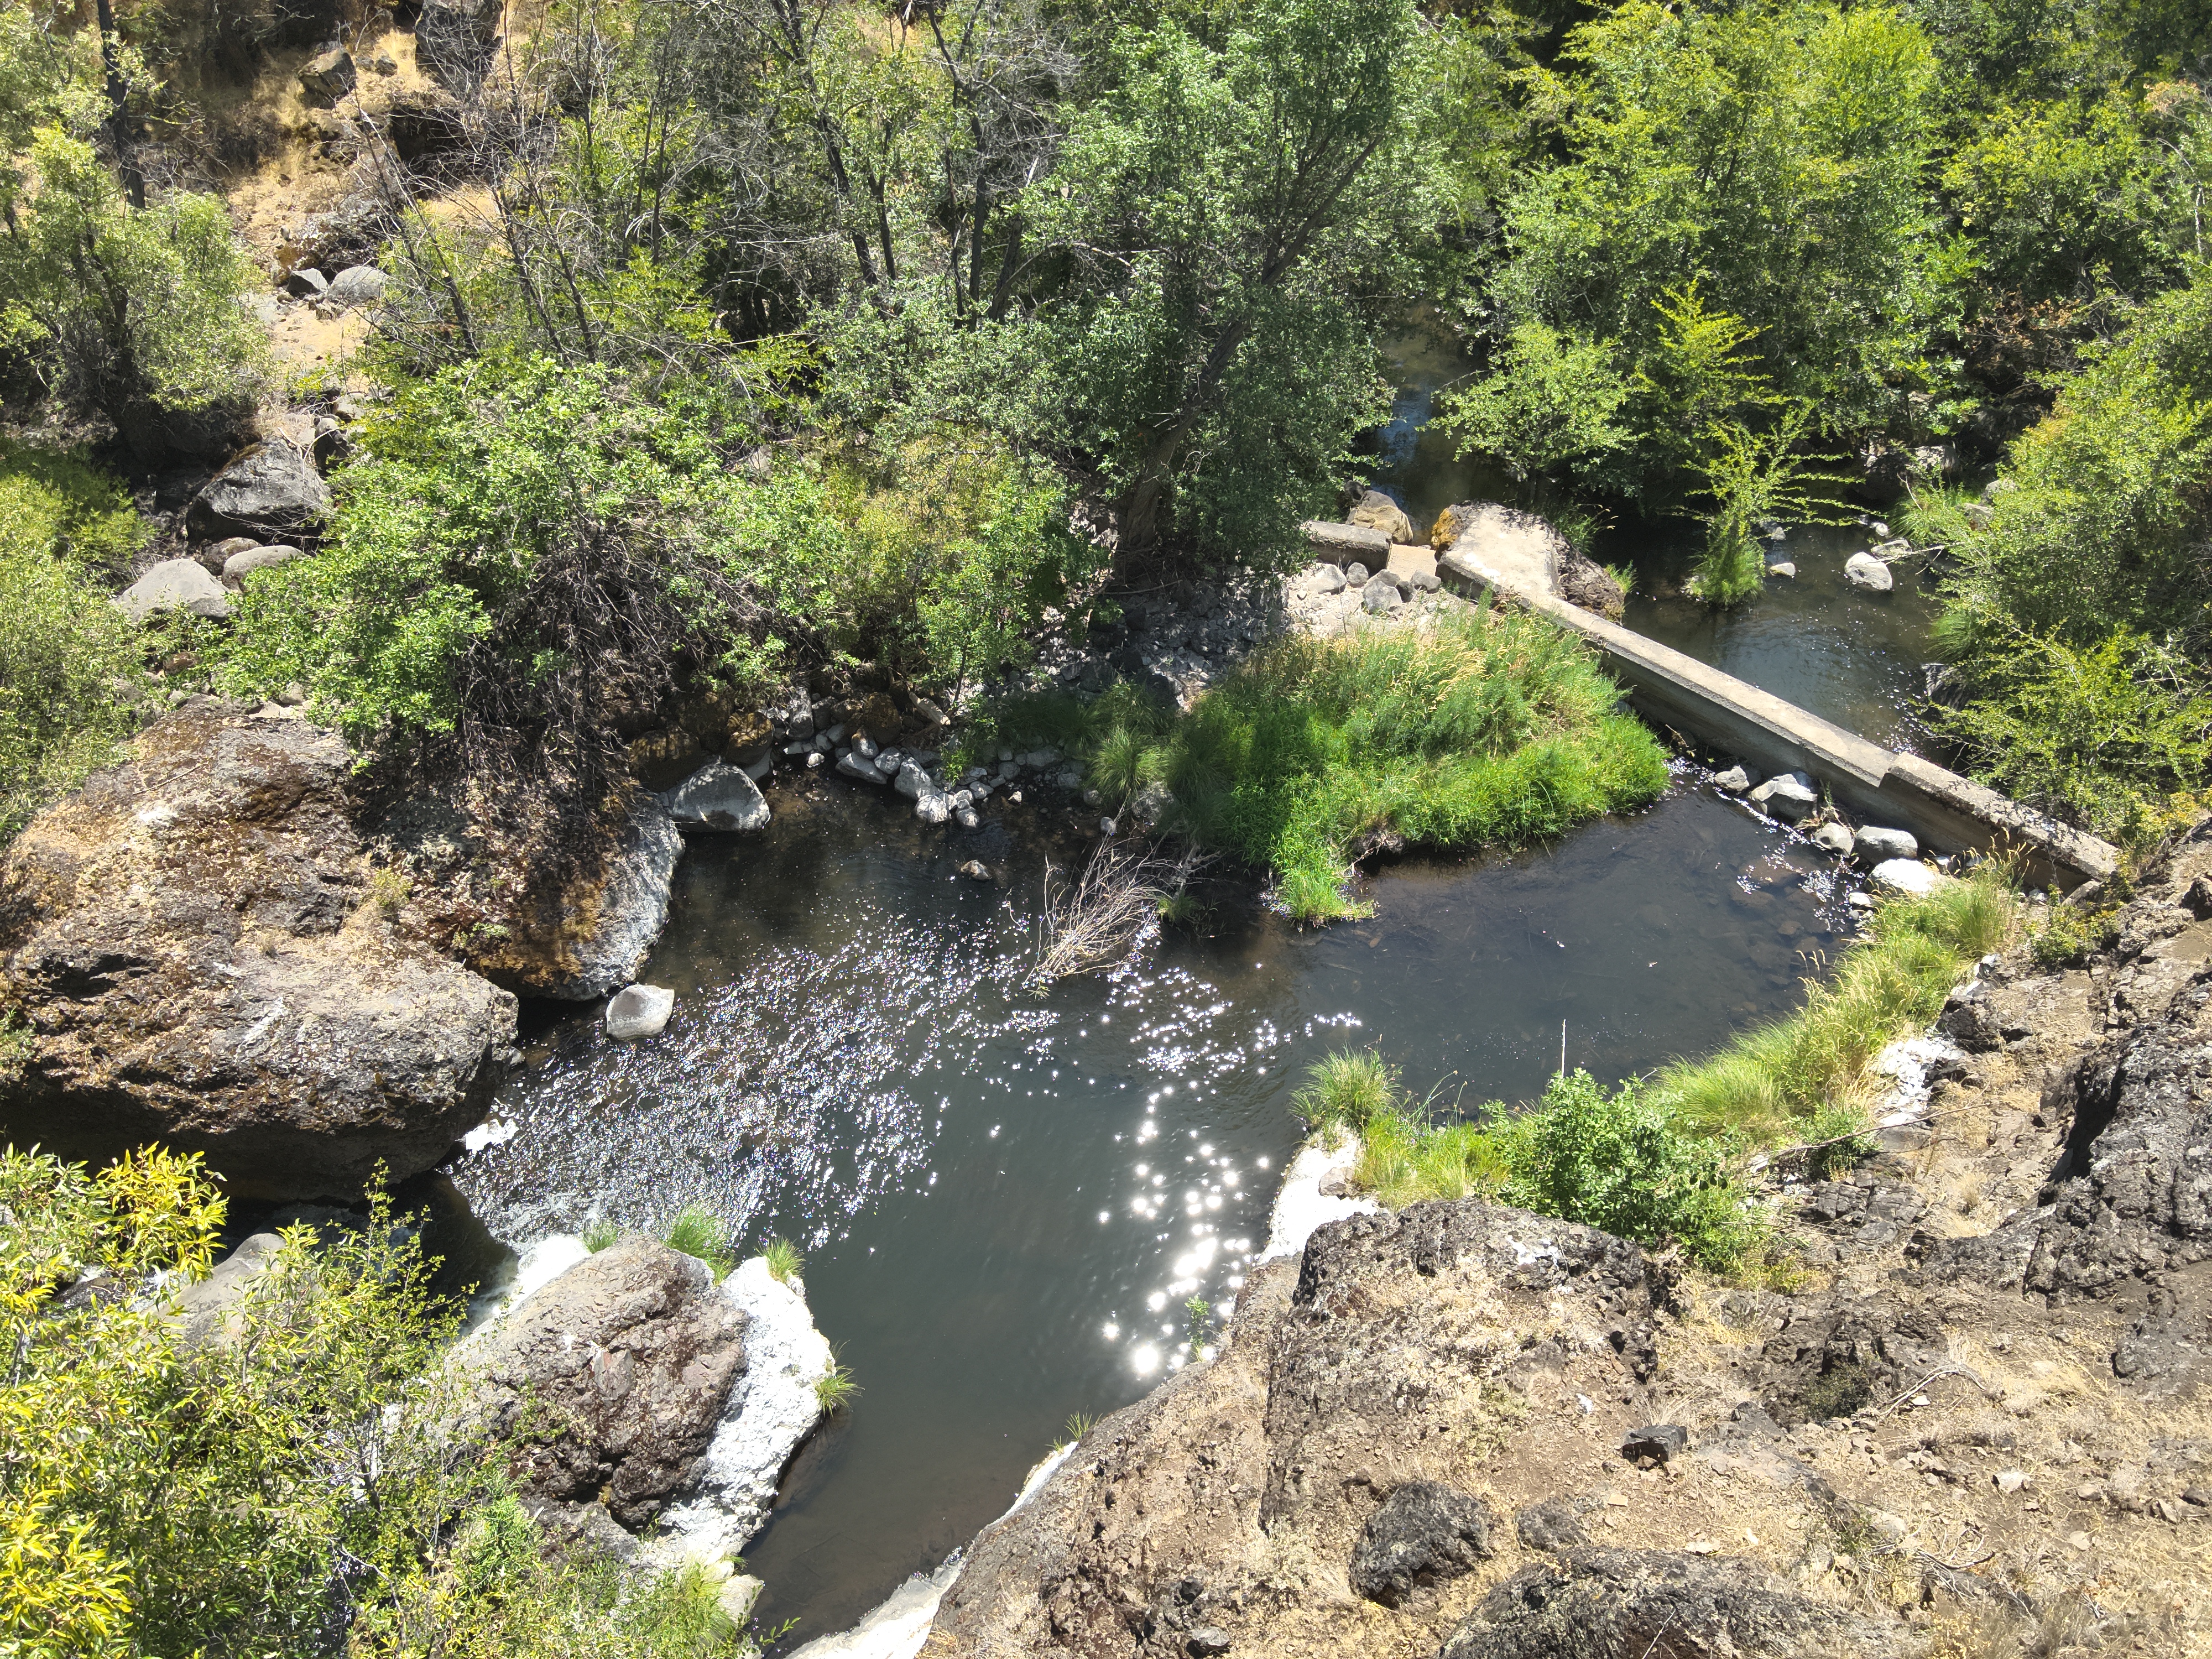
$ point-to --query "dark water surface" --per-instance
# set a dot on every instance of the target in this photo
(1006, 1198)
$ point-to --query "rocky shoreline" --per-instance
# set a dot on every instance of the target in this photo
(1972, 1421)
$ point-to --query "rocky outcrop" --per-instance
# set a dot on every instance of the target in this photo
(1586, 583)
(613, 1378)
(190, 938)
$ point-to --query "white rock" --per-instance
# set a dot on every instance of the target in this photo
(912, 782)
(1789, 796)
(1301, 1206)
(1832, 838)
(854, 766)
(1784, 569)
(717, 796)
(639, 1010)
(174, 584)
(1905, 876)
(1874, 845)
(1864, 570)
(1327, 578)
(965, 817)
(1734, 781)
(933, 806)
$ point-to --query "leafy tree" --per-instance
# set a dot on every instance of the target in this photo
(69, 663)
(127, 309)
(1754, 478)
(1553, 404)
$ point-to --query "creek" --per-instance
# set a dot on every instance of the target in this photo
(1006, 1197)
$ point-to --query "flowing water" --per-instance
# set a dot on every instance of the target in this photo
(1007, 1198)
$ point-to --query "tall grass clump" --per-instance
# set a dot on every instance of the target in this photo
(1769, 1083)
(1497, 728)
(698, 1231)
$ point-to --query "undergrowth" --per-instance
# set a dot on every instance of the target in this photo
(1497, 728)
(1667, 1162)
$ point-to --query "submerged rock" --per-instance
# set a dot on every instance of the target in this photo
(1789, 796)
(718, 797)
(190, 938)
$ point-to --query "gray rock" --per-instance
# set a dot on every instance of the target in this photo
(1789, 796)
(1874, 845)
(359, 285)
(639, 1010)
(965, 817)
(1550, 1525)
(1355, 575)
(1377, 512)
(758, 770)
(239, 566)
(1424, 1534)
(1205, 1640)
(1655, 1443)
(1327, 578)
(1907, 876)
(177, 936)
(306, 283)
(330, 76)
(932, 806)
(174, 584)
(1380, 596)
(585, 939)
(270, 491)
(1631, 1603)
(613, 1376)
(1866, 571)
(854, 766)
(1833, 838)
(204, 1309)
(977, 870)
(1735, 781)
(1784, 569)
(1997, 487)
(912, 782)
(718, 797)
(1344, 543)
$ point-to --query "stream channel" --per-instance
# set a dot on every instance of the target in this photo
(1006, 1197)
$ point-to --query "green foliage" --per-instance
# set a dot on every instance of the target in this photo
(1346, 1089)
(1198, 1325)
(834, 1389)
(1773, 1081)
(1492, 728)
(601, 1233)
(698, 1231)
(1751, 477)
(71, 667)
(2064, 935)
(1552, 402)
(784, 1261)
(306, 1481)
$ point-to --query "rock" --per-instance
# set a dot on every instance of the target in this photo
(1414, 568)
(1874, 845)
(977, 870)
(176, 934)
(1326, 579)
(912, 782)
(1996, 487)
(1205, 1640)
(661, 760)
(306, 283)
(1907, 876)
(853, 765)
(1784, 569)
(614, 1378)
(1585, 583)
(1424, 1534)
(1377, 511)
(966, 818)
(932, 806)
(257, 558)
(639, 1010)
(718, 797)
(1355, 575)
(330, 76)
(1380, 596)
(272, 490)
(1789, 796)
(1450, 522)
(1499, 545)
(1734, 781)
(359, 285)
(585, 936)
(1342, 544)
(454, 40)
(174, 584)
(424, 124)
(1833, 838)
(1552, 1525)
(1656, 1442)
(1634, 1603)
(1864, 570)
(204, 1308)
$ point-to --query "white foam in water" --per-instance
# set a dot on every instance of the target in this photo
(1301, 1206)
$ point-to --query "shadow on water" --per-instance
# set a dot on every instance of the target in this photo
(1007, 1198)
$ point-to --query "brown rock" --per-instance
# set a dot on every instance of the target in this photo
(188, 938)
(1584, 582)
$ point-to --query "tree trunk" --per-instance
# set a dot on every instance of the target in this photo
(118, 123)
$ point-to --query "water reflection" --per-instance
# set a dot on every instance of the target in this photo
(1007, 1200)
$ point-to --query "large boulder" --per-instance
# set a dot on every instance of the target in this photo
(272, 490)
(1377, 511)
(191, 938)
(174, 584)
(615, 1376)
(328, 78)
(718, 797)
(580, 937)
(359, 285)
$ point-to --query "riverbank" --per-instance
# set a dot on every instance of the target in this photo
(1974, 1416)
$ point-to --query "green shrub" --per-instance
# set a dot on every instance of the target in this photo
(2064, 935)
(601, 1233)
(70, 665)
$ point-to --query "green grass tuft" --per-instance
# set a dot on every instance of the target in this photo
(1347, 1090)
(783, 1258)
(698, 1232)
(601, 1233)
(834, 1389)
